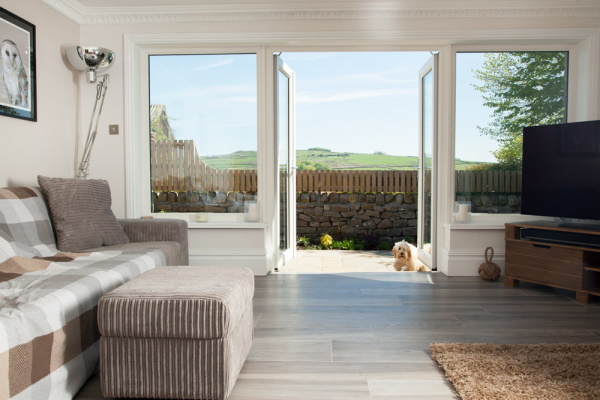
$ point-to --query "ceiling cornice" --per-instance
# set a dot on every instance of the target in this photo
(124, 15)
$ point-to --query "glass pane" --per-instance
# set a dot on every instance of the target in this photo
(203, 131)
(428, 118)
(497, 94)
(283, 157)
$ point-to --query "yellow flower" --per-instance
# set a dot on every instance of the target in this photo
(326, 240)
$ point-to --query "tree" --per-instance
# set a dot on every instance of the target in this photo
(312, 166)
(523, 89)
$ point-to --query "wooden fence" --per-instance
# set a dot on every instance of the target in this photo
(488, 181)
(356, 181)
(177, 167)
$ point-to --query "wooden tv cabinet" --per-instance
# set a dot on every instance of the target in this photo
(573, 265)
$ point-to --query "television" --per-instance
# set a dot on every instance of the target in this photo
(561, 171)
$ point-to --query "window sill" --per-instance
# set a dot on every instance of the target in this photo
(492, 221)
(226, 225)
(475, 225)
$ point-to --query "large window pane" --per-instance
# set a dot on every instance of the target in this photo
(203, 132)
(497, 94)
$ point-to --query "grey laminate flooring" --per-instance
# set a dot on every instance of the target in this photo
(366, 335)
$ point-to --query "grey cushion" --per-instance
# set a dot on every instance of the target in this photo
(81, 214)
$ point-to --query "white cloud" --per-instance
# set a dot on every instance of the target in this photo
(347, 96)
(218, 63)
(212, 93)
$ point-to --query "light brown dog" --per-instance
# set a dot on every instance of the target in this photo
(406, 258)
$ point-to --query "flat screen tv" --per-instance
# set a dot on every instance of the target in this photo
(561, 170)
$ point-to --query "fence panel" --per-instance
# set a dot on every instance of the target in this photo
(176, 166)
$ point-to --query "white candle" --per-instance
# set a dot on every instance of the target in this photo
(463, 212)
(201, 217)
(253, 212)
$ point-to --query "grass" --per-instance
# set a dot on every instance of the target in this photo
(335, 160)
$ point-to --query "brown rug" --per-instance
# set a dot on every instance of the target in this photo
(481, 371)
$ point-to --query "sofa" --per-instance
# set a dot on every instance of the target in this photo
(49, 294)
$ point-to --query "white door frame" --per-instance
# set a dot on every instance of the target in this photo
(428, 257)
(280, 67)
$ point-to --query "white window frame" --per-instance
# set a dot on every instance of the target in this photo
(583, 101)
(482, 218)
(138, 172)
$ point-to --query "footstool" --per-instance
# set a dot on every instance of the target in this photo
(176, 333)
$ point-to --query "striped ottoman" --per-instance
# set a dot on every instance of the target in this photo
(176, 333)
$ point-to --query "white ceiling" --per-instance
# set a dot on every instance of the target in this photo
(397, 3)
(124, 11)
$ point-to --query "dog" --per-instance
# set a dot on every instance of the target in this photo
(406, 258)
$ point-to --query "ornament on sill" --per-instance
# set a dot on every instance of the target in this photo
(489, 270)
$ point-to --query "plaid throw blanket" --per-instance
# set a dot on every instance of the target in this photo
(48, 300)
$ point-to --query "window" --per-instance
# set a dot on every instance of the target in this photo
(497, 94)
(203, 132)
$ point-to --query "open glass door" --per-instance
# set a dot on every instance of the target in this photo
(427, 153)
(286, 159)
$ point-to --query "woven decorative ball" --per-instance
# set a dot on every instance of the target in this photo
(489, 270)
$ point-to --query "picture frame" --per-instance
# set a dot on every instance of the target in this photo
(17, 67)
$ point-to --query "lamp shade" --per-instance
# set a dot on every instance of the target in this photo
(91, 59)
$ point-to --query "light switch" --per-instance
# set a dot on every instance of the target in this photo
(113, 129)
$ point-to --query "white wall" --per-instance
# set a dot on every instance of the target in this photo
(48, 145)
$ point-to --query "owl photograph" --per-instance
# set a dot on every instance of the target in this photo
(17, 67)
(14, 75)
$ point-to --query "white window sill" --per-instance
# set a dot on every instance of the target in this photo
(493, 221)
(475, 225)
(226, 225)
(213, 220)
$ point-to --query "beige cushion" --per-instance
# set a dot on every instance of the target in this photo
(81, 214)
(178, 302)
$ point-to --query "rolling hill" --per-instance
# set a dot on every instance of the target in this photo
(335, 160)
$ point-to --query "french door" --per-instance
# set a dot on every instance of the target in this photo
(284, 85)
(427, 156)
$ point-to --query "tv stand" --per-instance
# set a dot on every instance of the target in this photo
(572, 265)
(576, 225)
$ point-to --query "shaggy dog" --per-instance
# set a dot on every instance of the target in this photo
(406, 258)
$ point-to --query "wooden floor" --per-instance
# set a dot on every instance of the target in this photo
(366, 335)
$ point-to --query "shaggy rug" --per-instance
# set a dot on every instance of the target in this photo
(481, 371)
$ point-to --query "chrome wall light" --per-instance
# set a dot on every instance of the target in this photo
(92, 60)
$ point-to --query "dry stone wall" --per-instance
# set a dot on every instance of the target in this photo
(193, 201)
(389, 216)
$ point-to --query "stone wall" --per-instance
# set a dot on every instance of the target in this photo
(492, 203)
(213, 202)
(389, 216)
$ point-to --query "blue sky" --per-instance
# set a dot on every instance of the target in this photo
(348, 102)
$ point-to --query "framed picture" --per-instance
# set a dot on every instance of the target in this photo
(17, 67)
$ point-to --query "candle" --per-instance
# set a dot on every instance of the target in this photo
(252, 212)
(463, 212)
(201, 217)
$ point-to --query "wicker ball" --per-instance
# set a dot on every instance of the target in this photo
(489, 270)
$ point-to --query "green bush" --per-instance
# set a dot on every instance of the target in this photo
(302, 241)
(348, 244)
(385, 246)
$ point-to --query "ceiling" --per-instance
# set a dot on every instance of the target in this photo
(396, 3)
(124, 11)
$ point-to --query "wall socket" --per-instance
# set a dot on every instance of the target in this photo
(113, 129)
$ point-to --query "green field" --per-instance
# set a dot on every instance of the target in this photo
(335, 160)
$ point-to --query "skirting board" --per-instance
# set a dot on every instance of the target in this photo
(467, 263)
(257, 261)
